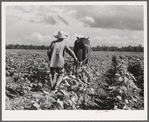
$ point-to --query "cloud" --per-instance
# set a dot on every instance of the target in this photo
(116, 40)
(51, 15)
(78, 35)
(49, 19)
(62, 20)
(55, 15)
(75, 35)
(116, 17)
(115, 37)
(123, 17)
(88, 20)
(134, 36)
(38, 38)
(41, 18)
(22, 9)
(98, 37)
(107, 25)
(56, 9)
(12, 19)
(125, 37)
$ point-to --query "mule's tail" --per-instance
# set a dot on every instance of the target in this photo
(80, 57)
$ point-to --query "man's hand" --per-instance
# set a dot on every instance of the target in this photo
(79, 63)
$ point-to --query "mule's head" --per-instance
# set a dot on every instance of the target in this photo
(82, 38)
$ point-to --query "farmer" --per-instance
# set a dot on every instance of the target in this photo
(56, 57)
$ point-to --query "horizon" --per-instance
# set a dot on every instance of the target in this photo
(72, 46)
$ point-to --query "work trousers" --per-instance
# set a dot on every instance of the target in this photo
(57, 75)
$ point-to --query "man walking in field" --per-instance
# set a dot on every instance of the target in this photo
(56, 57)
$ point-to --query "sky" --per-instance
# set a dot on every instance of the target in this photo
(109, 25)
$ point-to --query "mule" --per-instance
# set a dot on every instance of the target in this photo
(82, 50)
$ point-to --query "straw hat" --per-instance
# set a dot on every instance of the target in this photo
(61, 35)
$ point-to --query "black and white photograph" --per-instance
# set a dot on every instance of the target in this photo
(74, 60)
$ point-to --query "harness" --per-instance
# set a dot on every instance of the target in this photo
(78, 63)
(72, 63)
(87, 55)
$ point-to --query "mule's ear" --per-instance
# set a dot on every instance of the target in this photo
(87, 37)
(77, 37)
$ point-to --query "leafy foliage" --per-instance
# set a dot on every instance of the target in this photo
(108, 82)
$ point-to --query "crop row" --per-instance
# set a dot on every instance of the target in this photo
(108, 82)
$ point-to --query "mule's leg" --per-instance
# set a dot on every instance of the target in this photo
(79, 56)
(85, 55)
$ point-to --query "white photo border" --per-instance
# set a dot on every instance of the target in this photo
(74, 114)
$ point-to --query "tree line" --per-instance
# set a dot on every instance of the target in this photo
(129, 48)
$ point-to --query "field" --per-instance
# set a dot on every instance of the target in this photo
(111, 81)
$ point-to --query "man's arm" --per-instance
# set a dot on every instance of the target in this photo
(49, 51)
(71, 53)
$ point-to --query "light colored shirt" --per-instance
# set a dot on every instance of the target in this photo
(56, 54)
